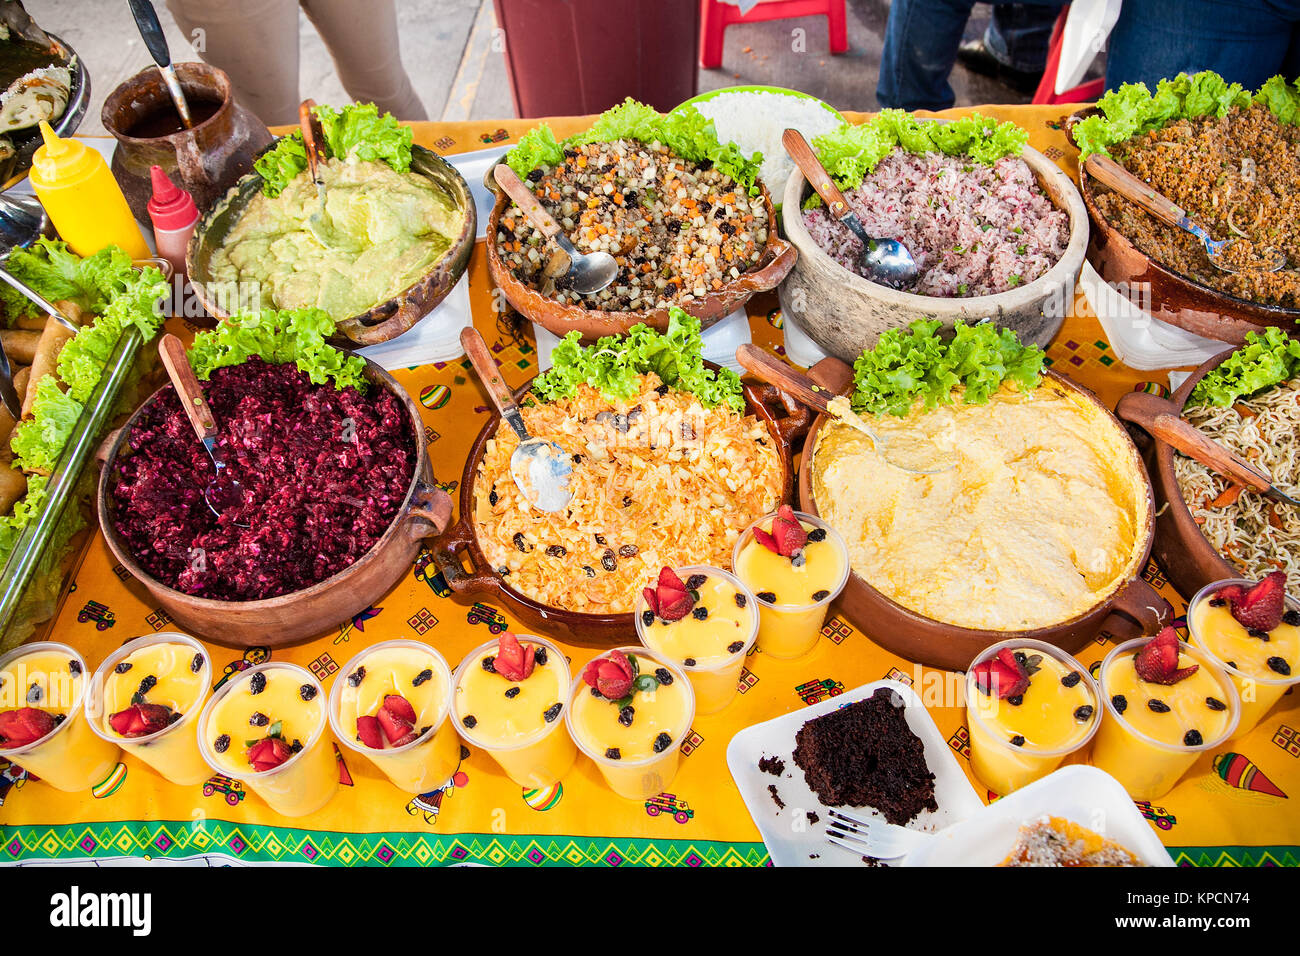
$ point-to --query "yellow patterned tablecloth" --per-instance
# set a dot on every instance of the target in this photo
(1233, 808)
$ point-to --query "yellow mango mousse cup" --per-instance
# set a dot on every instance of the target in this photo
(714, 678)
(307, 780)
(787, 630)
(532, 760)
(1258, 687)
(70, 757)
(173, 751)
(426, 763)
(1046, 706)
(1148, 768)
(634, 779)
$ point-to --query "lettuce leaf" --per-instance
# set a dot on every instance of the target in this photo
(1266, 359)
(916, 363)
(612, 364)
(358, 132)
(279, 337)
(851, 153)
(52, 270)
(536, 148)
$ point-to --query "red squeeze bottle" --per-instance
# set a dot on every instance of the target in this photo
(174, 217)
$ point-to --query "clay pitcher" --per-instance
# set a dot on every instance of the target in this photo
(204, 160)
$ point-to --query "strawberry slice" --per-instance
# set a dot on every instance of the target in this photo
(268, 753)
(787, 536)
(394, 727)
(611, 675)
(368, 732)
(651, 599)
(1261, 607)
(513, 661)
(668, 579)
(1001, 674)
(1157, 662)
(140, 720)
(670, 599)
(399, 707)
(24, 725)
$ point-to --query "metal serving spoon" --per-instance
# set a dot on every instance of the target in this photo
(223, 491)
(793, 382)
(588, 272)
(885, 261)
(540, 468)
(151, 31)
(1110, 173)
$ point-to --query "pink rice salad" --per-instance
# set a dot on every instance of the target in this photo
(973, 229)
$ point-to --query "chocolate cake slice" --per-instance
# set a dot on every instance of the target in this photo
(864, 754)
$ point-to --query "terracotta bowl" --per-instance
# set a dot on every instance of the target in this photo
(1188, 559)
(1162, 292)
(384, 321)
(787, 422)
(292, 618)
(844, 313)
(1133, 608)
(559, 318)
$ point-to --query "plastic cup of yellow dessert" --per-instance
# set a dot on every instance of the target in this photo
(1147, 767)
(715, 677)
(635, 779)
(307, 780)
(69, 757)
(1045, 720)
(173, 751)
(425, 763)
(533, 756)
(788, 630)
(1258, 686)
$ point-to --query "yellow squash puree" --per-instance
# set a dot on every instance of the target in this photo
(1037, 522)
(383, 230)
(178, 686)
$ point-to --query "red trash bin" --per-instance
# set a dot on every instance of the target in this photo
(572, 57)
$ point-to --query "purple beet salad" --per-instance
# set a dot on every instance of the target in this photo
(322, 474)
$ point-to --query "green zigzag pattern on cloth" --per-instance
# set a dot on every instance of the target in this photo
(258, 844)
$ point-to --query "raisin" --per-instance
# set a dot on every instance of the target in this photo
(1157, 706)
(539, 655)
(588, 570)
(1292, 618)
(600, 540)
(735, 646)
(520, 543)
(534, 175)
(470, 721)
(613, 753)
(695, 580)
(663, 675)
(768, 596)
(420, 678)
(817, 534)
(1015, 700)
(552, 712)
(257, 683)
(662, 742)
(356, 677)
(1258, 633)
(1120, 703)
(259, 719)
(628, 551)
(307, 692)
(1215, 704)
(557, 551)
(647, 617)
(1192, 738)
(493, 497)
(701, 613)
(74, 667)
(221, 744)
(673, 226)
(741, 600)
(627, 502)
(123, 667)
(34, 694)
(1217, 602)
(595, 692)
(1072, 678)
(1279, 666)
(688, 661)
(626, 714)
(1021, 658)
(512, 693)
(726, 228)
(488, 664)
(1018, 740)
(1083, 712)
(148, 684)
(821, 595)
(196, 665)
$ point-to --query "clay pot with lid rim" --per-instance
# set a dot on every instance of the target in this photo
(1133, 608)
(300, 615)
(786, 421)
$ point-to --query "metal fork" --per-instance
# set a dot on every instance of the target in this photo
(873, 836)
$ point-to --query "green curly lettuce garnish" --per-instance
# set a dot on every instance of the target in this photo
(851, 153)
(53, 271)
(358, 132)
(1133, 109)
(279, 337)
(612, 365)
(687, 132)
(917, 364)
(1266, 359)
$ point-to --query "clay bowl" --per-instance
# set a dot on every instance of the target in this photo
(1132, 609)
(1165, 293)
(844, 313)
(384, 321)
(560, 319)
(786, 420)
(1188, 559)
(292, 618)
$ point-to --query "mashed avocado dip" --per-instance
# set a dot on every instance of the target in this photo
(381, 230)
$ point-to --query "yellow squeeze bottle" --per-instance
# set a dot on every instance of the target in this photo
(82, 198)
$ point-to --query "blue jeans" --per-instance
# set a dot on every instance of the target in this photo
(1019, 35)
(1244, 40)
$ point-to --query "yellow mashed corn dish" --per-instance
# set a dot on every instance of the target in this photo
(379, 232)
(1040, 518)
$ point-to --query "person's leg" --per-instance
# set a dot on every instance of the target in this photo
(256, 43)
(362, 39)
(1245, 41)
(1019, 34)
(921, 40)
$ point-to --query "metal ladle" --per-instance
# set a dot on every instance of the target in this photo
(1110, 173)
(540, 468)
(885, 261)
(146, 18)
(222, 492)
(588, 272)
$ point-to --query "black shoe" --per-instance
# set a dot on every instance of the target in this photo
(975, 56)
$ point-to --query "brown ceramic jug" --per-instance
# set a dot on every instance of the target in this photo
(204, 160)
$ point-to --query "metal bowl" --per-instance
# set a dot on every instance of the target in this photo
(383, 321)
(26, 142)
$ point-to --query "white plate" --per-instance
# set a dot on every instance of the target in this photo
(1085, 795)
(791, 840)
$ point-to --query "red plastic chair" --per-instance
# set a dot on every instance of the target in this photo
(716, 16)
(1046, 94)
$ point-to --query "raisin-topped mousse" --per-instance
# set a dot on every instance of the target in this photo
(865, 755)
